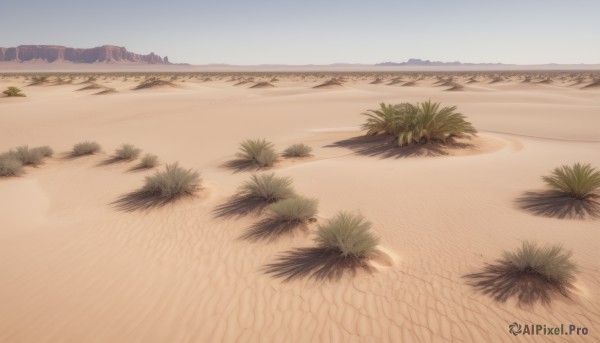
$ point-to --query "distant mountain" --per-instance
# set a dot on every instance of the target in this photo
(419, 62)
(56, 54)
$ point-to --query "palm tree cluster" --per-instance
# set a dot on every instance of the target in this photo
(419, 123)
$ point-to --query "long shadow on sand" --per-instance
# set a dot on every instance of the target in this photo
(238, 206)
(111, 160)
(503, 281)
(315, 263)
(241, 165)
(557, 205)
(385, 147)
(270, 229)
(143, 200)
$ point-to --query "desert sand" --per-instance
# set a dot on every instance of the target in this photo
(75, 268)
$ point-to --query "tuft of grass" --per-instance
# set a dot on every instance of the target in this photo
(85, 148)
(10, 165)
(579, 181)
(259, 152)
(27, 156)
(347, 234)
(297, 150)
(550, 263)
(417, 124)
(294, 210)
(46, 151)
(387, 119)
(127, 152)
(149, 161)
(174, 181)
(268, 188)
(13, 91)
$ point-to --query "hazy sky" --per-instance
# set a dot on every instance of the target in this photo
(316, 32)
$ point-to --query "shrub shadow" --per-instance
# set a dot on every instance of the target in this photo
(112, 160)
(555, 204)
(239, 206)
(143, 200)
(314, 263)
(240, 165)
(270, 229)
(385, 147)
(503, 281)
(139, 167)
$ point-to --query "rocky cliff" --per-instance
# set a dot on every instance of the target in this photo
(55, 53)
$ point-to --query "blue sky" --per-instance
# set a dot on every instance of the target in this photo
(316, 32)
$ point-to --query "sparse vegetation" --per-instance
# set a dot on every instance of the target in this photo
(85, 148)
(46, 151)
(148, 161)
(13, 92)
(13, 161)
(174, 181)
(10, 165)
(154, 82)
(268, 188)
(551, 263)
(294, 210)
(579, 181)
(28, 156)
(297, 150)
(127, 152)
(417, 124)
(347, 234)
(259, 152)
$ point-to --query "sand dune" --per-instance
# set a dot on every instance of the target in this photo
(77, 268)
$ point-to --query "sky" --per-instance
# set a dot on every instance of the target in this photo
(250, 32)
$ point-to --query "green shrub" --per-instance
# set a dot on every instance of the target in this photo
(127, 152)
(258, 151)
(172, 182)
(85, 148)
(13, 91)
(348, 234)
(549, 262)
(10, 165)
(149, 161)
(430, 123)
(298, 150)
(579, 181)
(268, 188)
(294, 210)
(417, 124)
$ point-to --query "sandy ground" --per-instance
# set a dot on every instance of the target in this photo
(73, 268)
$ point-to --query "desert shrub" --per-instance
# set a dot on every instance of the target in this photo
(387, 119)
(294, 210)
(268, 188)
(430, 123)
(258, 152)
(13, 91)
(45, 150)
(28, 156)
(579, 181)
(172, 182)
(551, 263)
(127, 152)
(85, 148)
(298, 150)
(417, 124)
(149, 161)
(153, 82)
(348, 234)
(10, 165)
